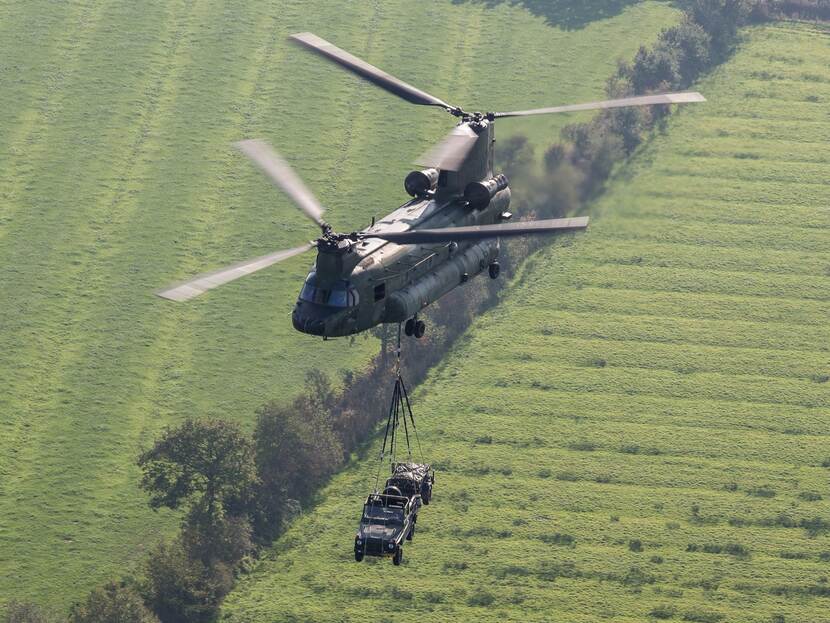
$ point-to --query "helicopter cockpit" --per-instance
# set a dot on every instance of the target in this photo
(341, 294)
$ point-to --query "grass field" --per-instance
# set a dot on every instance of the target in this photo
(117, 177)
(640, 431)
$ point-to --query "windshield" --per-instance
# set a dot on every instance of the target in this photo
(382, 514)
(341, 294)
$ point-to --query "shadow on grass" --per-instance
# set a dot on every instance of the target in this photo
(566, 14)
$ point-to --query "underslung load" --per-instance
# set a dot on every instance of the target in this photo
(389, 517)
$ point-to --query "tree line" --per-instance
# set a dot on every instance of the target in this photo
(238, 491)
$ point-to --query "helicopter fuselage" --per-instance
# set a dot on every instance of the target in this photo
(360, 284)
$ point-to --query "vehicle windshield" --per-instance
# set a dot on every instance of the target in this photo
(341, 294)
(376, 514)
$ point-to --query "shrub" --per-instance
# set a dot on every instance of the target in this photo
(763, 491)
(114, 602)
(702, 616)
(544, 473)
(181, 589)
(23, 612)
(558, 539)
(481, 598)
(635, 545)
(511, 570)
(814, 526)
(663, 612)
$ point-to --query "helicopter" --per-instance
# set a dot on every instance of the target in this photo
(446, 234)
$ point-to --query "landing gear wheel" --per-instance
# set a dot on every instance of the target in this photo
(411, 533)
(358, 556)
(409, 327)
(420, 329)
(398, 557)
(495, 269)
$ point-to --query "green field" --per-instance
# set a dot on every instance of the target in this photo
(117, 177)
(639, 430)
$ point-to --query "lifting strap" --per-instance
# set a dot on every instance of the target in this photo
(400, 410)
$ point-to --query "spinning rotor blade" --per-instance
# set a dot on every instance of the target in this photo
(198, 285)
(476, 232)
(283, 176)
(369, 72)
(645, 100)
(449, 154)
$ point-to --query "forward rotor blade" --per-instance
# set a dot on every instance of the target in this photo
(449, 154)
(199, 285)
(369, 72)
(283, 176)
(645, 100)
(450, 234)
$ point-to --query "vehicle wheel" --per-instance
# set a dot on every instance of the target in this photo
(420, 329)
(495, 270)
(358, 556)
(427, 497)
(409, 327)
(398, 557)
(411, 533)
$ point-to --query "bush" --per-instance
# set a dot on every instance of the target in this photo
(179, 588)
(224, 540)
(663, 612)
(761, 492)
(635, 545)
(702, 616)
(22, 612)
(558, 538)
(481, 598)
(114, 602)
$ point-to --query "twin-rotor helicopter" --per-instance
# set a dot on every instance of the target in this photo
(444, 236)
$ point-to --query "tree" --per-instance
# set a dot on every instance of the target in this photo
(720, 19)
(296, 450)
(692, 43)
(115, 602)
(180, 588)
(207, 465)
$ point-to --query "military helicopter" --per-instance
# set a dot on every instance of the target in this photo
(444, 236)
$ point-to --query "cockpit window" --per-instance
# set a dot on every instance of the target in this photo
(341, 294)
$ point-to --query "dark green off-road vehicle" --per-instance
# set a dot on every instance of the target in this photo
(388, 519)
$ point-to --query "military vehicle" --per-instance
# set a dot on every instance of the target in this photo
(444, 236)
(414, 480)
(388, 519)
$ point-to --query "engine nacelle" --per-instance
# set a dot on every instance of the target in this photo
(479, 194)
(421, 183)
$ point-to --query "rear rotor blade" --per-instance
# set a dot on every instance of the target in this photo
(645, 100)
(198, 285)
(369, 72)
(449, 154)
(476, 232)
(283, 176)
